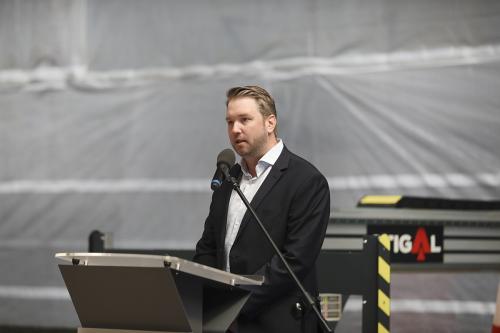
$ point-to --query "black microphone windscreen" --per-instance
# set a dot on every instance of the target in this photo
(226, 157)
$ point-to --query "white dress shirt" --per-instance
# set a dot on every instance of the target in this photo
(249, 185)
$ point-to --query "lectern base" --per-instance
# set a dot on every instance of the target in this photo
(109, 330)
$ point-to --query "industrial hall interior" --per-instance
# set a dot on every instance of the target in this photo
(236, 166)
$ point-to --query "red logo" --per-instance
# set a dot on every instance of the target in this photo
(417, 244)
(421, 244)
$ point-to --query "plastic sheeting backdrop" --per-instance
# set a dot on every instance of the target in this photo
(112, 113)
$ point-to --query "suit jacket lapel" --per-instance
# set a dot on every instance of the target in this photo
(274, 175)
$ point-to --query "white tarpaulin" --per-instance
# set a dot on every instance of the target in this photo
(112, 113)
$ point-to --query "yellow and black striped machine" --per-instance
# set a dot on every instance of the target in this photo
(396, 233)
(425, 233)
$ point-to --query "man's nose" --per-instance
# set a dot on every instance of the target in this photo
(236, 128)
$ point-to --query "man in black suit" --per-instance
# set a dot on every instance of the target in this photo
(292, 199)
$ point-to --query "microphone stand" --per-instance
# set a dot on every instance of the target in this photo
(310, 301)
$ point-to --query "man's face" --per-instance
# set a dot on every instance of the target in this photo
(249, 132)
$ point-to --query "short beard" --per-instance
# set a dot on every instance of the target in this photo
(257, 149)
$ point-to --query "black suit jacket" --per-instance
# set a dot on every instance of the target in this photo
(294, 205)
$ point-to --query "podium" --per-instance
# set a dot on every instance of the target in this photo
(125, 293)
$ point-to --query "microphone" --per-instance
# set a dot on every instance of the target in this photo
(217, 179)
(225, 160)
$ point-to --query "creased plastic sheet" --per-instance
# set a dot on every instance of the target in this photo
(112, 115)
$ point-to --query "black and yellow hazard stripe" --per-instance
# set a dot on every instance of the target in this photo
(384, 284)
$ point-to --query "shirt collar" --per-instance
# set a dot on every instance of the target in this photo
(265, 161)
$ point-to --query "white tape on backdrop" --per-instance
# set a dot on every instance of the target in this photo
(165, 185)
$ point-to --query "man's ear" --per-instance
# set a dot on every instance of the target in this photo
(270, 123)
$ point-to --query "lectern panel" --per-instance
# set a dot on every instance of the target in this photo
(132, 298)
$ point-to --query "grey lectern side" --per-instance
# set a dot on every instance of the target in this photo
(125, 293)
